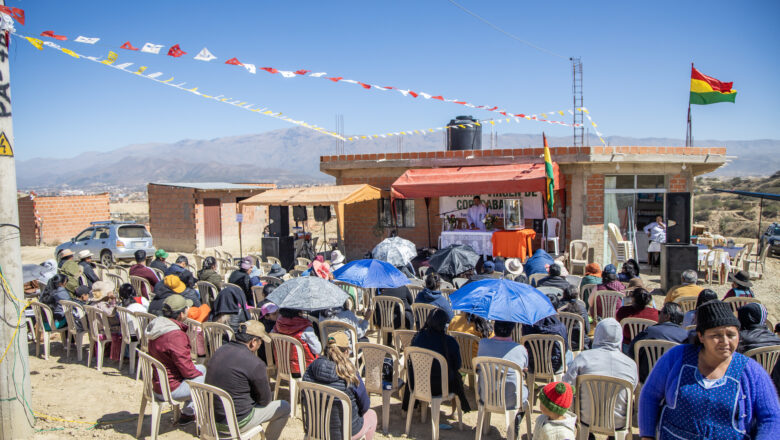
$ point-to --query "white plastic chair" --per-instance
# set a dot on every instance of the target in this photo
(160, 274)
(43, 314)
(607, 301)
(686, 303)
(317, 403)
(540, 350)
(73, 330)
(466, 343)
(126, 317)
(193, 328)
(141, 286)
(635, 326)
(421, 312)
(208, 292)
(401, 340)
(373, 358)
(738, 301)
(332, 326)
(213, 333)
(492, 397)
(203, 397)
(143, 321)
(602, 394)
(572, 321)
(148, 367)
(387, 307)
(551, 229)
(282, 346)
(517, 333)
(534, 278)
(421, 362)
(98, 326)
(766, 356)
(258, 295)
(578, 255)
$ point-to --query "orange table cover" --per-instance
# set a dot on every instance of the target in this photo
(513, 244)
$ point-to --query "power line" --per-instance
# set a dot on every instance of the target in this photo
(510, 35)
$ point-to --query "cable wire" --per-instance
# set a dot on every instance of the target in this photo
(510, 35)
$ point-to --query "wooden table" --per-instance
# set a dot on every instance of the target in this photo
(513, 244)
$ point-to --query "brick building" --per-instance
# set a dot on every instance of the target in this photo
(622, 185)
(52, 220)
(191, 217)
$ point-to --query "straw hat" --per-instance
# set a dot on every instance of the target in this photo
(66, 253)
(85, 253)
(101, 290)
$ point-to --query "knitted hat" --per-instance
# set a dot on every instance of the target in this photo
(593, 269)
(557, 397)
(715, 314)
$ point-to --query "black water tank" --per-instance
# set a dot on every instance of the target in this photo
(468, 138)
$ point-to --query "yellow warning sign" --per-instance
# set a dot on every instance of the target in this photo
(5, 146)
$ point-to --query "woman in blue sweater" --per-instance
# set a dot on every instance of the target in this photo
(707, 391)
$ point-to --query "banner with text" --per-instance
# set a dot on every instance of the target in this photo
(532, 204)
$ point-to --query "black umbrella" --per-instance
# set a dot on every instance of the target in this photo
(453, 260)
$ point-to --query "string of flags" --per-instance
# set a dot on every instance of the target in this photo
(206, 55)
(111, 60)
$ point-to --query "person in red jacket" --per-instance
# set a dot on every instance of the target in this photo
(140, 270)
(291, 323)
(640, 308)
(169, 344)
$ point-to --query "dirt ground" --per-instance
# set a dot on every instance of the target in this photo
(66, 389)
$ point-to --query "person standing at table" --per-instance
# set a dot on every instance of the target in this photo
(657, 233)
(475, 216)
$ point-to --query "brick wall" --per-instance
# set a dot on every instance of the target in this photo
(679, 183)
(172, 217)
(594, 202)
(251, 229)
(61, 218)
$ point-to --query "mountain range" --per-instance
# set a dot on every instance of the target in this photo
(290, 157)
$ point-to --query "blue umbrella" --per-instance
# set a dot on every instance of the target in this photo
(502, 300)
(371, 273)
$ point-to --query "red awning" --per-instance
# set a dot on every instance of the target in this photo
(461, 181)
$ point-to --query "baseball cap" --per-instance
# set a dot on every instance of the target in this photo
(175, 303)
(174, 283)
(161, 253)
(340, 339)
(254, 328)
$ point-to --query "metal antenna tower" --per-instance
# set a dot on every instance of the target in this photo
(576, 89)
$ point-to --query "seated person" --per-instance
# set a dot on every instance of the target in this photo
(639, 308)
(406, 297)
(432, 295)
(688, 287)
(230, 307)
(605, 359)
(292, 324)
(140, 270)
(556, 421)
(538, 262)
(592, 275)
(503, 347)
(667, 329)
(705, 295)
(178, 267)
(344, 314)
(236, 369)
(754, 334)
(550, 325)
(472, 324)
(629, 271)
(209, 273)
(554, 279)
(169, 344)
(571, 303)
(335, 370)
(433, 337)
(52, 298)
(514, 270)
(740, 285)
(240, 277)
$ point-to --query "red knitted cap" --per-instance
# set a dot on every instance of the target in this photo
(557, 397)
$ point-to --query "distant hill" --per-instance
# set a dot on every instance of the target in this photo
(291, 157)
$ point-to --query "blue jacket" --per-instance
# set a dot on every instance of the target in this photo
(426, 296)
(758, 404)
(536, 263)
(550, 325)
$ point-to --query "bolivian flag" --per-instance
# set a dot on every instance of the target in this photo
(708, 90)
(548, 170)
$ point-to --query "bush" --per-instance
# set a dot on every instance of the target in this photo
(701, 216)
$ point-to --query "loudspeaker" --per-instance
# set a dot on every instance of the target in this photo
(322, 213)
(675, 259)
(282, 248)
(678, 218)
(280, 225)
(299, 213)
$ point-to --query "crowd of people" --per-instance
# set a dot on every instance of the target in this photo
(707, 368)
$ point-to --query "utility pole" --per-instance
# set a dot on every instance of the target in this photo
(16, 419)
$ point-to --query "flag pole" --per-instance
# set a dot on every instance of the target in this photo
(689, 132)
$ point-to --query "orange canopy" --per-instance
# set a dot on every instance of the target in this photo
(461, 181)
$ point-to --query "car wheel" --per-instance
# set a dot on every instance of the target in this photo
(106, 259)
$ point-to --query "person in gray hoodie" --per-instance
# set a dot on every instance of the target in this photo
(605, 359)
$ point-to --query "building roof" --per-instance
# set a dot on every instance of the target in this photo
(769, 196)
(316, 195)
(458, 181)
(206, 186)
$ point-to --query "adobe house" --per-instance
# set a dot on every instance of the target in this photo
(624, 185)
(53, 220)
(192, 217)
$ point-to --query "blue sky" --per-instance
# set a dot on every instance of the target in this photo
(636, 58)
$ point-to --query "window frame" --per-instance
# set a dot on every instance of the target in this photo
(401, 212)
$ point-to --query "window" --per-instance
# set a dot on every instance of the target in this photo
(102, 233)
(404, 213)
(85, 235)
(133, 232)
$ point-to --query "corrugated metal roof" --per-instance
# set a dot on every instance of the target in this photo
(211, 185)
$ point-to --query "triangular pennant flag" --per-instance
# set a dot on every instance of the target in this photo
(175, 51)
(318, 74)
(250, 67)
(51, 34)
(16, 13)
(204, 55)
(152, 48)
(123, 65)
(287, 73)
(301, 72)
(140, 70)
(234, 61)
(128, 46)
(112, 56)
(86, 40)
(70, 52)
(154, 75)
(52, 44)
(269, 69)
(336, 78)
(35, 42)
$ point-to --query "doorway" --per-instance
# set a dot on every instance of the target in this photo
(212, 222)
(631, 202)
